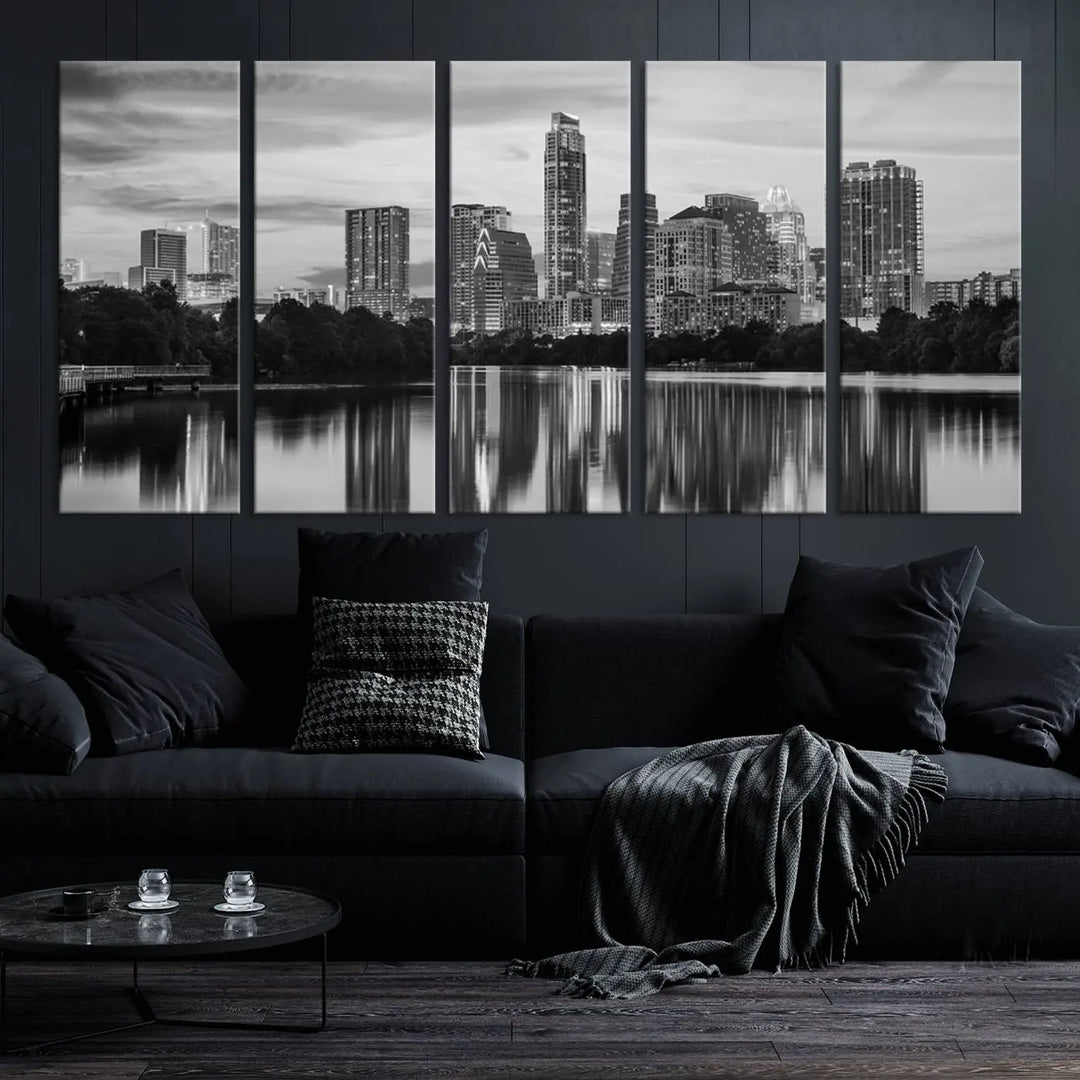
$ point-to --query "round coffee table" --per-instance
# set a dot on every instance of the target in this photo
(193, 929)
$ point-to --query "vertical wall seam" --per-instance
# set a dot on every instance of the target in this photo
(42, 376)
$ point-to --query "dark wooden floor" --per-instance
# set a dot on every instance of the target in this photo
(469, 1020)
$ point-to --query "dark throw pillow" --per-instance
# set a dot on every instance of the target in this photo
(1016, 686)
(43, 726)
(388, 568)
(143, 663)
(866, 653)
(394, 677)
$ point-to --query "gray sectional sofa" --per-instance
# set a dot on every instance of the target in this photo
(437, 856)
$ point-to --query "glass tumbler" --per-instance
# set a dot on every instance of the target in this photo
(154, 886)
(240, 888)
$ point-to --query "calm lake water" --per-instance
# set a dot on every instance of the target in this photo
(344, 448)
(176, 452)
(536, 439)
(931, 443)
(750, 443)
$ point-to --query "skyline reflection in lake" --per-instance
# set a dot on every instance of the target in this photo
(345, 448)
(931, 443)
(539, 439)
(174, 452)
(735, 443)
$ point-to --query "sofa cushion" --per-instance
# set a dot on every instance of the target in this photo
(197, 800)
(43, 725)
(144, 664)
(1016, 684)
(564, 791)
(993, 805)
(866, 652)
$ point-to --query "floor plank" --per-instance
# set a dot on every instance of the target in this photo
(441, 1020)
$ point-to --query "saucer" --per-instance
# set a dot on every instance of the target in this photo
(240, 909)
(159, 905)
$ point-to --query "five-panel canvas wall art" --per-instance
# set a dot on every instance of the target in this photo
(718, 270)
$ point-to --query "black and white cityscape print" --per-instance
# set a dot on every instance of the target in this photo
(735, 287)
(930, 286)
(149, 263)
(344, 286)
(539, 286)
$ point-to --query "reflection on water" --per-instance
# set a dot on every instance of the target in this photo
(344, 448)
(173, 452)
(931, 443)
(538, 439)
(735, 443)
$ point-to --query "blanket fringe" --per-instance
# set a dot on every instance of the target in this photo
(881, 863)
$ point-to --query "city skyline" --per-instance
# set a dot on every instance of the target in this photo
(958, 125)
(152, 144)
(775, 135)
(372, 126)
(501, 114)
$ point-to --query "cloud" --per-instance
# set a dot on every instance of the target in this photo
(104, 81)
(281, 212)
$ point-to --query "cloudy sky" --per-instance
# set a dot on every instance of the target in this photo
(958, 124)
(499, 115)
(144, 144)
(736, 127)
(332, 136)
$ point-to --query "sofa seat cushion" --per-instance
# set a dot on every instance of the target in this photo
(1001, 806)
(564, 791)
(994, 806)
(268, 801)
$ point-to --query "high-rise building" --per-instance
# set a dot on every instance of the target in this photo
(785, 227)
(816, 255)
(600, 260)
(564, 206)
(466, 221)
(72, 271)
(503, 271)
(749, 234)
(162, 257)
(377, 260)
(881, 239)
(694, 256)
(620, 267)
(985, 286)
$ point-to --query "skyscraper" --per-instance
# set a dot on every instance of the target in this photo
(564, 206)
(162, 257)
(502, 271)
(620, 267)
(694, 256)
(599, 262)
(221, 249)
(466, 221)
(749, 235)
(377, 260)
(881, 239)
(785, 226)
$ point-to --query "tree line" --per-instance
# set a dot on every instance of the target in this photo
(104, 324)
(753, 346)
(979, 338)
(319, 344)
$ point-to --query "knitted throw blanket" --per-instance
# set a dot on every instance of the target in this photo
(761, 850)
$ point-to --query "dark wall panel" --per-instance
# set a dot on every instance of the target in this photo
(351, 30)
(538, 30)
(872, 30)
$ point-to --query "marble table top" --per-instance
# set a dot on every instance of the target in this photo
(192, 929)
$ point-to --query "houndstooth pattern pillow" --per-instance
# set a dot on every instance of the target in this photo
(394, 677)
(439, 636)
